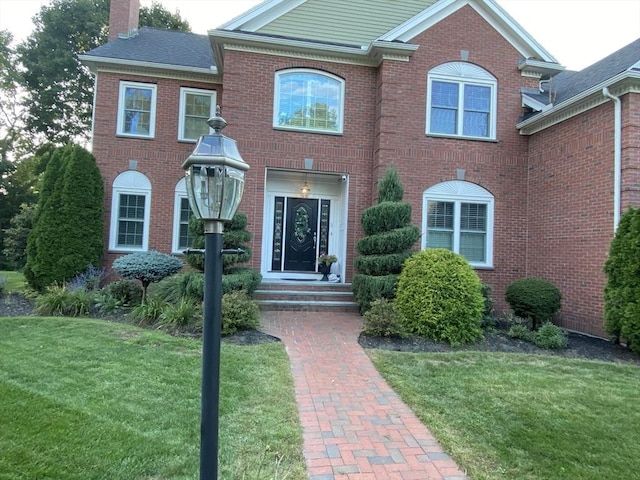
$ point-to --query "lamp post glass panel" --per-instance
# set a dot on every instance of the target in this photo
(214, 177)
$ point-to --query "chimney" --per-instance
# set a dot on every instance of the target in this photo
(123, 18)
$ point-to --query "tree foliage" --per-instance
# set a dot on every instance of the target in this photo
(59, 88)
(622, 289)
(388, 243)
(67, 232)
(148, 267)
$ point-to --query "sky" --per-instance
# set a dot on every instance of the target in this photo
(576, 32)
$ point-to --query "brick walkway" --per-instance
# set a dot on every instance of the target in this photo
(355, 427)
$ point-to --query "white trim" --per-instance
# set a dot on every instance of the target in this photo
(121, 104)
(261, 15)
(129, 183)
(459, 192)
(276, 100)
(180, 193)
(184, 91)
(462, 73)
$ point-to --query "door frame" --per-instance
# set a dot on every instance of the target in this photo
(324, 186)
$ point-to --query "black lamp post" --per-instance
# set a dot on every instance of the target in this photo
(214, 179)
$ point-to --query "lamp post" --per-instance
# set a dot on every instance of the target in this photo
(214, 177)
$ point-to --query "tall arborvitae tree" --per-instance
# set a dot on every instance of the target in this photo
(388, 243)
(622, 290)
(68, 229)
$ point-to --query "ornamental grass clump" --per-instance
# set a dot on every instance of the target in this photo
(441, 298)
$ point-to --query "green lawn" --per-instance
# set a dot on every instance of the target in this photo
(15, 281)
(88, 399)
(510, 416)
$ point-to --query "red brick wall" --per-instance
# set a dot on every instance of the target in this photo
(160, 158)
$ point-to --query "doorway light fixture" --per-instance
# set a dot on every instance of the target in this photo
(305, 189)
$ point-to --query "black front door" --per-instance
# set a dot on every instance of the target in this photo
(301, 235)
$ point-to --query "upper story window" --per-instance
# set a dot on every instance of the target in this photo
(130, 212)
(458, 216)
(308, 100)
(461, 101)
(196, 107)
(137, 109)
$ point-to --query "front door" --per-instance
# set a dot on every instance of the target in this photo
(301, 235)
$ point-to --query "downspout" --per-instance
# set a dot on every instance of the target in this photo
(617, 155)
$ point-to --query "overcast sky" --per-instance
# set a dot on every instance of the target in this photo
(576, 32)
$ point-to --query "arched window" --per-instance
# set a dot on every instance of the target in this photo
(458, 216)
(308, 100)
(181, 215)
(461, 101)
(130, 208)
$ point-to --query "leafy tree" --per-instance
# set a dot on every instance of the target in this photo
(388, 243)
(60, 107)
(68, 226)
(622, 289)
(148, 267)
(10, 111)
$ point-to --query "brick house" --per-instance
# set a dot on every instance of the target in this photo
(507, 158)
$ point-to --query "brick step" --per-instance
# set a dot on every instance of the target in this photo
(305, 296)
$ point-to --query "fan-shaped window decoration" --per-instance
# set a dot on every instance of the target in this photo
(458, 216)
(461, 101)
(130, 207)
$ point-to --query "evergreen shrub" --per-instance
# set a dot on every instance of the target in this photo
(440, 296)
(147, 267)
(383, 319)
(367, 288)
(239, 312)
(622, 288)
(128, 292)
(239, 278)
(390, 263)
(385, 216)
(389, 242)
(534, 298)
(520, 330)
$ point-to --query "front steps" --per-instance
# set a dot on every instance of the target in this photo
(310, 296)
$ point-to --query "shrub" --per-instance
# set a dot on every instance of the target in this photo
(127, 292)
(534, 298)
(383, 319)
(368, 288)
(550, 336)
(440, 297)
(150, 311)
(88, 280)
(488, 314)
(15, 240)
(520, 330)
(239, 312)
(185, 313)
(622, 289)
(58, 300)
(148, 267)
(239, 278)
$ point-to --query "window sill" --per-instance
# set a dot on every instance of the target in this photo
(306, 130)
(138, 137)
(461, 137)
(482, 267)
(125, 250)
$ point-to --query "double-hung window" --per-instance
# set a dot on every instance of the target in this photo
(308, 100)
(137, 109)
(461, 101)
(181, 215)
(458, 216)
(196, 107)
(130, 209)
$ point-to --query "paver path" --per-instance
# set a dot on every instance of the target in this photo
(354, 426)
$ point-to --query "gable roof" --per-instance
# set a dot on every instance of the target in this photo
(363, 22)
(158, 49)
(570, 93)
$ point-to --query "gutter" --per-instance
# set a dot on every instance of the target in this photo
(617, 155)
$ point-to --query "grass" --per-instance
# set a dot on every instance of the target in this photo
(512, 416)
(87, 399)
(15, 282)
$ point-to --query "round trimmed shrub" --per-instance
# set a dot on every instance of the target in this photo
(550, 336)
(440, 296)
(534, 298)
(239, 312)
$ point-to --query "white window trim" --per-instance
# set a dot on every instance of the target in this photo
(179, 195)
(129, 183)
(464, 74)
(276, 101)
(121, 103)
(183, 94)
(458, 192)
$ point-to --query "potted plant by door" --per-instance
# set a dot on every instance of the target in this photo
(324, 265)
